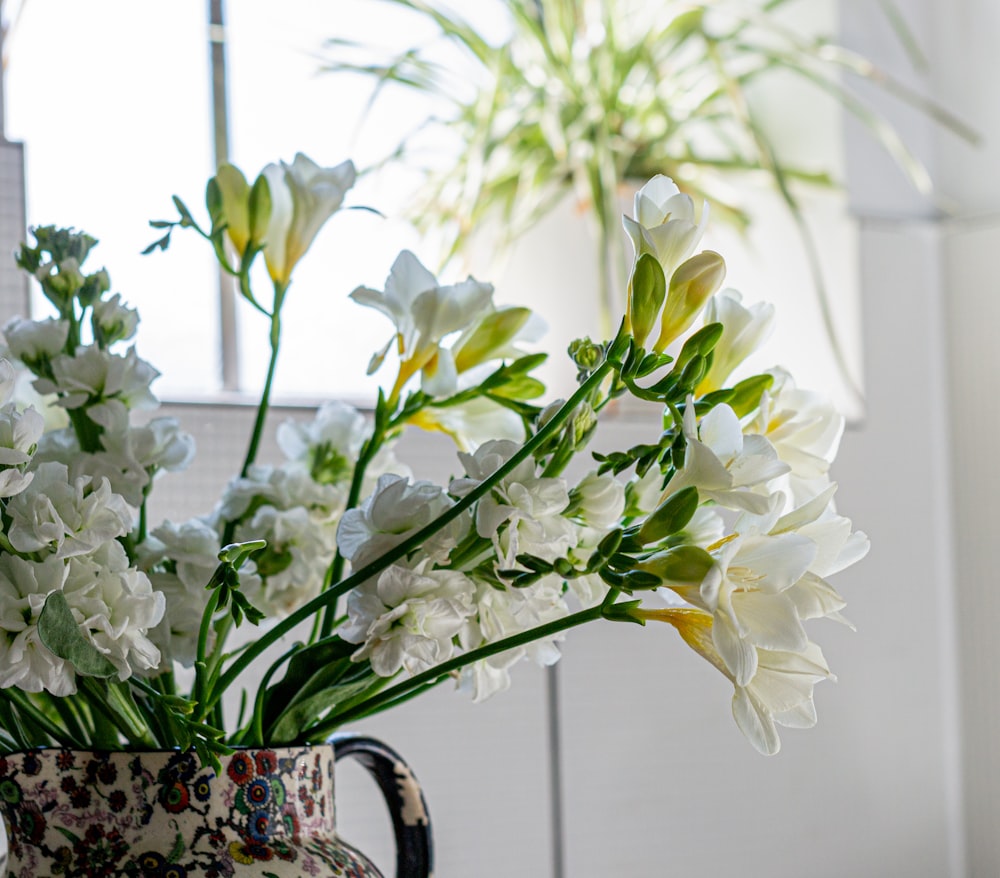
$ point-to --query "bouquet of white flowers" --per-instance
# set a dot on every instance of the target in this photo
(721, 522)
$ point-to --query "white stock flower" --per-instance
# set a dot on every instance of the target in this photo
(503, 613)
(35, 341)
(300, 548)
(116, 607)
(25, 661)
(96, 377)
(745, 330)
(303, 197)
(114, 321)
(19, 436)
(336, 426)
(394, 512)
(408, 618)
(599, 501)
(423, 313)
(726, 466)
(523, 512)
(68, 518)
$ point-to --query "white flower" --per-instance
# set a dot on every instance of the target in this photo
(599, 501)
(116, 607)
(664, 223)
(424, 313)
(292, 567)
(35, 341)
(780, 692)
(283, 487)
(472, 423)
(19, 434)
(726, 466)
(303, 197)
(744, 593)
(394, 512)
(69, 518)
(114, 321)
(745, 330)
(804, 427)
(503, 613)
(94, 377)
(336, 426)
(523, 512)
(25, 661)
(408, 618)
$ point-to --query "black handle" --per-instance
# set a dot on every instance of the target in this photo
(411, 821)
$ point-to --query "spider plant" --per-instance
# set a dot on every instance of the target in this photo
(585, 95)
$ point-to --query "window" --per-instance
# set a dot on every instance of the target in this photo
(112, 101)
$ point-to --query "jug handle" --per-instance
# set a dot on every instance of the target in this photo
(411, 821)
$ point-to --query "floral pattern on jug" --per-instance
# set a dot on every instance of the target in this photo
(267, 812)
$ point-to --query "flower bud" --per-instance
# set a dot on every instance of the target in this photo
(691, 286)
(233, 194)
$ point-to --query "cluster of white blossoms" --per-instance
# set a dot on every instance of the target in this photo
(452, 595)
(722, 523)
(742, 572)
(66, 507)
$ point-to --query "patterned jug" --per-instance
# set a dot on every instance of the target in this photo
(266, 813)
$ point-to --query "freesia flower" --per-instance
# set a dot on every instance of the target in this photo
(470, 424)
(745, 330)
(303, 197)
(726, 466)
(424, 313)
(803, 427)
(664, 223)
(779, 693)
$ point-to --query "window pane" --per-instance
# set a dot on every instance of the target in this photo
(111, 101)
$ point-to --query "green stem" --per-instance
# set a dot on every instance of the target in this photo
(433, 675)
(265, 397)
(330, 596)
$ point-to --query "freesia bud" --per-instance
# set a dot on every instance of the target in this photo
(647, 289)
(234, 196)
(691, 286)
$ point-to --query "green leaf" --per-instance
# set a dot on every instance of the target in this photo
(323, 663)
(306, 711)
(61, 635)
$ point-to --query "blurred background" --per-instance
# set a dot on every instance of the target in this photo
(624, 760)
